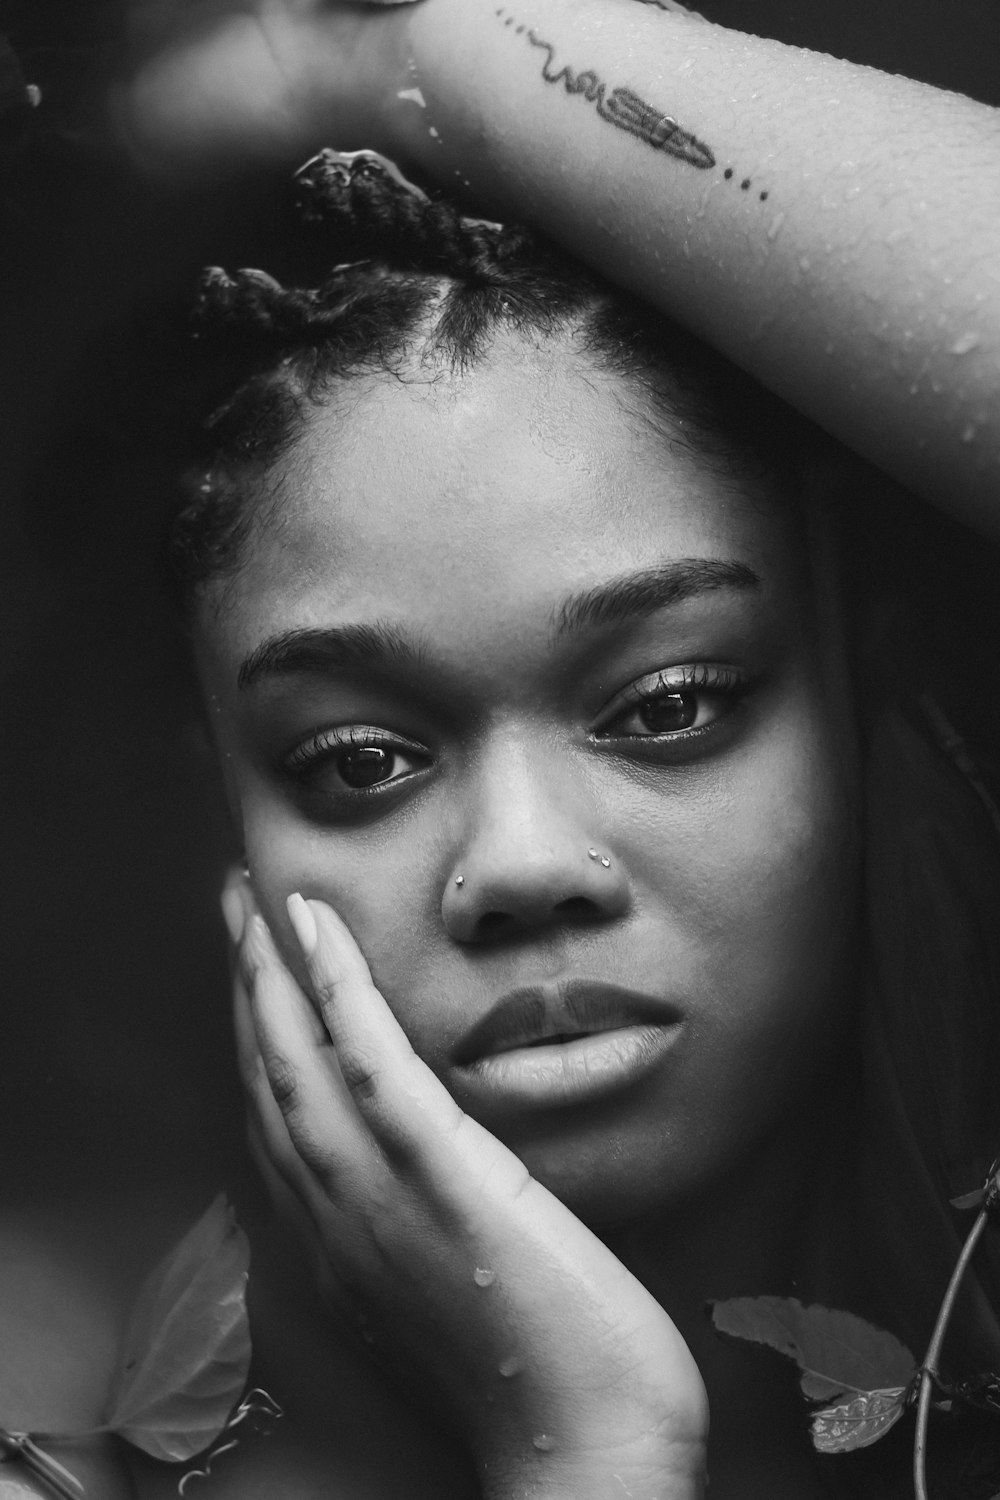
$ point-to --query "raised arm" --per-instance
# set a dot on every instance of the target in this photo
(833, 229)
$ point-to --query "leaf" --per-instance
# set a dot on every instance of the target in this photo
(836, 1352)
(969, 1200)
(859, 1422)
(186, 1354)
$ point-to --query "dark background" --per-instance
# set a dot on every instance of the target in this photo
(115, 1063)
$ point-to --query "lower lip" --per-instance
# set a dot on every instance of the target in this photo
(574, 1072)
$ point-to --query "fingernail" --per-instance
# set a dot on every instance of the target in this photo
(233, 912)
(304, 923)
(258, 944)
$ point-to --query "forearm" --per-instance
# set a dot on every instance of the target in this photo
(833, 229)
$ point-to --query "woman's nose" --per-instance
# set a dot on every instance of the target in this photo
(531, 854)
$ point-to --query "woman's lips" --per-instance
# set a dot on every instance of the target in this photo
(564, 1043)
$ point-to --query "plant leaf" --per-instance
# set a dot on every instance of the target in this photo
(969, 1200)
(837, 1353)
(186, 1354)
(859, 1422)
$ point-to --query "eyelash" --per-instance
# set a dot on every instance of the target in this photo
(326, 744)
(704, 679)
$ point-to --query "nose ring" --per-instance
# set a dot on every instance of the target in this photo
(605, 861)
(459, 880)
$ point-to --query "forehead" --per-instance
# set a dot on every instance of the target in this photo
(429, 496)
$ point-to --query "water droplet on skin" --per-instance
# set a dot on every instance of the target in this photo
(804, 263)
(965, 343)
(413, 94)
(774, 228)
(509, 1367)
(433, 131)
(543, 1442)
(483, 1277)
(969, 433)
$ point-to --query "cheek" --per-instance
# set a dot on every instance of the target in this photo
(383, 893)
(763, 881)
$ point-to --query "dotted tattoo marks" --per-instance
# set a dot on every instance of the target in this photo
(621, 107)
(745, 184)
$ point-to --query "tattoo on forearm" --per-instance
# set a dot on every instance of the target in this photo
(620, 106)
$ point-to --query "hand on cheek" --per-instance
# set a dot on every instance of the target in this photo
(473, 1278)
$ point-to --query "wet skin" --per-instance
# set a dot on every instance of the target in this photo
(701, 744)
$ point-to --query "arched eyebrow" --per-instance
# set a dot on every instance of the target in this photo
(639, 594)
(329, 649)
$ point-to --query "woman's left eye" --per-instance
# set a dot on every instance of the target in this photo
(678, 701)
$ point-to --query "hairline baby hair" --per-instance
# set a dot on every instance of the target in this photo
(424, 283)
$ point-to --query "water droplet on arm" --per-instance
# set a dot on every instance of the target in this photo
(483, 1277)
(543, 1442)
(509, 1367)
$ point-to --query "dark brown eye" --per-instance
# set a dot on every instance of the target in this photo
(668, 712)
(365, 765)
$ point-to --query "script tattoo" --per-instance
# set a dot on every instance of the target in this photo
(674, 7)
(623, 107)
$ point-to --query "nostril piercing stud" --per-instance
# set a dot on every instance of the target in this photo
(459, 879)
(592, 853)
(605, 861)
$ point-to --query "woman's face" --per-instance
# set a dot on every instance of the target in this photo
(536, 698)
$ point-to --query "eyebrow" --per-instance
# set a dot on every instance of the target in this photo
(335, 648)
(640, 594)
(328, 649)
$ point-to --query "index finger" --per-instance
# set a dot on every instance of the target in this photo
(394, 1089)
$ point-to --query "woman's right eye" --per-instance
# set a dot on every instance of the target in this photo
(353, 761)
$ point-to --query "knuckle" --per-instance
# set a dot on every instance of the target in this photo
(361, 1072)
(327, 989)
(284, 1083)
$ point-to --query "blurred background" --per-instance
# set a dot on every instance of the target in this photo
(114, 1044)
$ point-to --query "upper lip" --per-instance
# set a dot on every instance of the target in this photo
(570, 1007)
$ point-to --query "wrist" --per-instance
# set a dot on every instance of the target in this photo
(597, 1475)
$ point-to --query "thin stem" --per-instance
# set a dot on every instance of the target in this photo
(19, 1445)
(929, 1368)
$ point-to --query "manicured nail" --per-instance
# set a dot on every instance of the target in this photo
(302, 919)
(233, 912)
